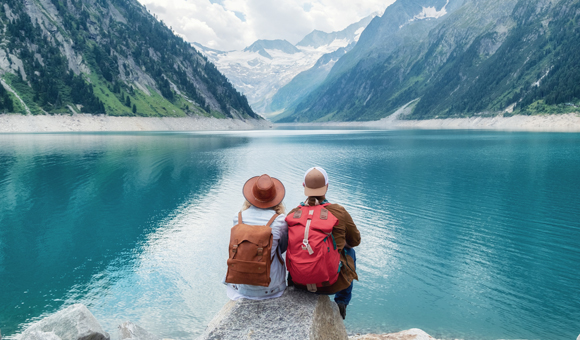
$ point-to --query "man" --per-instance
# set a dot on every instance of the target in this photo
(344, 232)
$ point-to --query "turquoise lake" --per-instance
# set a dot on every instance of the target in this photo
(465, 234)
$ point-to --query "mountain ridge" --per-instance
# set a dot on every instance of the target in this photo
(266, 66)
(484, 57)
(277, 44)
(106, 56)
(318, 38)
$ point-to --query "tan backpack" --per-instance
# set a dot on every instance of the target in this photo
(250, 249)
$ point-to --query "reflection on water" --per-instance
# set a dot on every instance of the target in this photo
(465, 234)
(71, 204)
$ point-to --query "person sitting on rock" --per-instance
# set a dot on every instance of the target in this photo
(258, 239)
(320, 256)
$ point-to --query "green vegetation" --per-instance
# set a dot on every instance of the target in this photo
(540, 107)
(25, 92)
(6, 101)
(46, 69)
(123, 48)
(538, 72)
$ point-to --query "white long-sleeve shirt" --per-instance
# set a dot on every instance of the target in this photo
(257, 216)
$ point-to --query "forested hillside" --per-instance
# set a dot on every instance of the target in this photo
(536, 68)
(484, 57)
(105, 56)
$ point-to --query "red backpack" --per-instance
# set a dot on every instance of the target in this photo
(312, 257)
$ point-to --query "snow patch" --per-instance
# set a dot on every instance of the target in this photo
(358, 33)
(259, 78)
(429, 13)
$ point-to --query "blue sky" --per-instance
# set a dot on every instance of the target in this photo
(234, 24)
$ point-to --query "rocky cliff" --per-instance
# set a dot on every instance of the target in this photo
(105, 56)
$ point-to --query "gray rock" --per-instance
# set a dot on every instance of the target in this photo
(294, 315)
(131, 331)
(72, 323)
(39, 335)
(410, 334)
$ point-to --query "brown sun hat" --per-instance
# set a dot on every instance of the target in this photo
(264, 191)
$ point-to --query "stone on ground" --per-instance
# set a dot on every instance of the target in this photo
(410, 334)
(131, 331)
(39, 335)
(295, 315)
(72, 323)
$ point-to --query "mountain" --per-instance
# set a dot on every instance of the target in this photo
(105, 56)
(318, 38)
(305, 82)
(455, 58)
(261, 46)
(264, 67)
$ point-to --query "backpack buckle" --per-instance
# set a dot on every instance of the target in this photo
(235, 248)
(260, 251)
(306, 246)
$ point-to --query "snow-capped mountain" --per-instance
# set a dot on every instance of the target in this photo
(264, 67)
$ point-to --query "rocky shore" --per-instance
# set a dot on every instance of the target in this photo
(296, 315)
(15, 123)
(538, 123)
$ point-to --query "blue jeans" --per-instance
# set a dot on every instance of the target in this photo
(345, 295)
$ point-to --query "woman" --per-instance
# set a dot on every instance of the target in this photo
(264, 196)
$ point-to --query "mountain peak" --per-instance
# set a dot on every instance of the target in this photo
(281, 45)
(319, 38)
(206, 49)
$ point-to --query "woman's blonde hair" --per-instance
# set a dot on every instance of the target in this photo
(279, 209)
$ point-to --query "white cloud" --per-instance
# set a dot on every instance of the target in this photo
(221, 24)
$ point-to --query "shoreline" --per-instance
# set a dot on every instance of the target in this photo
(569, 122)
(17, 123)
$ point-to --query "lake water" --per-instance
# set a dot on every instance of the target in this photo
(464, 234)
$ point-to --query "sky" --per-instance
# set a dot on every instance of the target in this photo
(235, 24)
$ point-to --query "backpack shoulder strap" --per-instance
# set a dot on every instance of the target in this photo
(278, 256)
(240, 217)
(272, 219)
